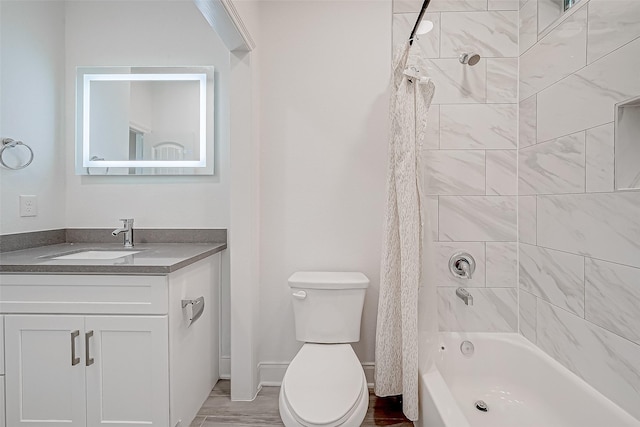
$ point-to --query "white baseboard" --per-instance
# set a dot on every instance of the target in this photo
(369, 368)
(272, 373)
(225, 368)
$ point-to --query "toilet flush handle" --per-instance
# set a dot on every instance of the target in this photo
(300, 294)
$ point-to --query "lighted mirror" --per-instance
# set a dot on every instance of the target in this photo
(549, 11)
(627, 144)
(144, 121)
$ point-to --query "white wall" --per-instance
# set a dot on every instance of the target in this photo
(160, 33)
(324, 73)
(244, 290)
(31, 110)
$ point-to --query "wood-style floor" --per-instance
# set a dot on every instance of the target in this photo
(219, 410)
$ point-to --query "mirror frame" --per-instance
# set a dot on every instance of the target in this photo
(85, 75)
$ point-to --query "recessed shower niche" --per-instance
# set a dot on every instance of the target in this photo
(627, 144)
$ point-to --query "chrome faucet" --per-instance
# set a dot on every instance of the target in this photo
(462, 265)
(127, 229)
(464, 295)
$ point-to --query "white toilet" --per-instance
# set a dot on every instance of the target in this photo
(325, 384)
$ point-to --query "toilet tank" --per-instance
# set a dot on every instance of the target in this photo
(327, 306)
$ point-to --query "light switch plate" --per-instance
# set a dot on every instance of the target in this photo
(28, 205)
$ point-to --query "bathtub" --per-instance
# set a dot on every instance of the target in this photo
(521, 385)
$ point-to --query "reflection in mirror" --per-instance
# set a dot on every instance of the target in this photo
(627, 144)
(550, 10)
(144, 120)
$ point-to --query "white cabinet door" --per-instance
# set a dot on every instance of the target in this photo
(2, 415)
(45, 386)
(128, 379)
(1, 345)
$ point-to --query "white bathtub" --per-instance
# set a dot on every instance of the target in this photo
(521, 385)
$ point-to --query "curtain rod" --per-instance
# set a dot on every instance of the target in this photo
(420, 16)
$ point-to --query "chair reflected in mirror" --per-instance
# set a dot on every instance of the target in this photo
(168, 151)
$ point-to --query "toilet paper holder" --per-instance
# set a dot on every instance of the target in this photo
(195, 308)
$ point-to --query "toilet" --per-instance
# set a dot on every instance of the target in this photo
(325, 384)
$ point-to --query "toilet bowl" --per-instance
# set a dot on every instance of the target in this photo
(325, 384)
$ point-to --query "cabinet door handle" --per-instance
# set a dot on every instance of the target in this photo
(87, 352)
(74, 360)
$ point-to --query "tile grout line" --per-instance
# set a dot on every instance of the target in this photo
(486, 188)
(590, 322)
(584, 287)
(535, 319)
(535, 198)
(476, 103)
(586, 136)
(586, 66)
(556, 28)
(580, 255)
(517, 178)
(471, 149)
(586, 45)
(593, 193)
(536, 119)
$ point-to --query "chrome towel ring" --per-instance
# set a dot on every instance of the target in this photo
(106, 172)
(12, 143)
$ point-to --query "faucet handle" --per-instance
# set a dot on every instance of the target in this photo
(127, 221)
(462, 265)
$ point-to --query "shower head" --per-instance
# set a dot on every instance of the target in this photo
(424, 27)
(469, 58)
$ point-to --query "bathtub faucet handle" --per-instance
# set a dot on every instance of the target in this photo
(462, 265)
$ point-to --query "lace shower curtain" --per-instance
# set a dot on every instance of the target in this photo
(396, 369)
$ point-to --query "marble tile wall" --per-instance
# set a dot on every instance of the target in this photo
(470, 155)
(579, 239)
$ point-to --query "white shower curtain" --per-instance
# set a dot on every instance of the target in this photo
(396, 369)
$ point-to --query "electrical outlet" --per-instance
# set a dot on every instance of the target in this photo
(28, 205)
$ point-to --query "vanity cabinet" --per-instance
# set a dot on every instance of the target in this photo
(93, 371)
(86, 350)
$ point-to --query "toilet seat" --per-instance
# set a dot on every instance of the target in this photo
(325, 386)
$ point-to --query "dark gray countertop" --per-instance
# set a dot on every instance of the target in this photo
(153, 258)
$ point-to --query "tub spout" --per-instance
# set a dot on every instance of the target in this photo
(464, 295)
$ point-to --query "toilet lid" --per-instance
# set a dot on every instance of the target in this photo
(323, 383)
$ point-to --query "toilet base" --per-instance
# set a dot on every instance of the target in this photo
(355, 420)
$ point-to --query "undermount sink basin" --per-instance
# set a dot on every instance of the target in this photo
(93, 254)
